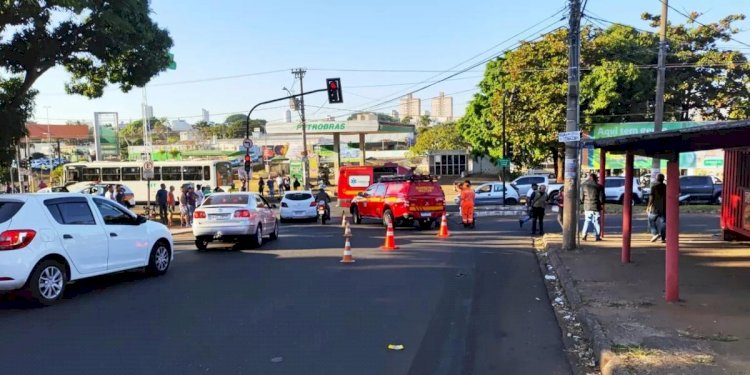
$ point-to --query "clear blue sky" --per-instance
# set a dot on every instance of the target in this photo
(240, 37)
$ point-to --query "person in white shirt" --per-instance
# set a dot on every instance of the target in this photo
(198, 195)
(110, 194)
(280, 185)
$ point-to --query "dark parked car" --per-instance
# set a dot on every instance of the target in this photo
(701, 188)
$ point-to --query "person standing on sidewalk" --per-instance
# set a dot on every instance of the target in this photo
(198, 195)
(183, 208)
(538, 205)
(261, 186)
(270, 186)
(190, 199)
(560, 201)
(529, 197)
(280, 185)
(162, 201)
(170, 205)
(592, 197)
(657, 208)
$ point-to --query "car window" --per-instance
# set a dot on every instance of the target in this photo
(380, 190)
(523, 181)
(298, 196)
(226, 199)
(484, 189)
(262, 202)
(8, 209)
(112, 214)
(537, 180)
(498, 188)
(371, 190)
(614, 182)
(72, 213)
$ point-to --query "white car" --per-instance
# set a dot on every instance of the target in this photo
(298, 205)
(47, 240)
(91, 188)
(614, 190)
(491, 193)
(234, 217)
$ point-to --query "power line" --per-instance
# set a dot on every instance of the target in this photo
(694, 19)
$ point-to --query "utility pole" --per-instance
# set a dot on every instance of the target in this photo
(300, 73)
(660, 77)
(505, 144)
(570, 209)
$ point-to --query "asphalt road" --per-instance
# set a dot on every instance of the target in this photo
(472, 304)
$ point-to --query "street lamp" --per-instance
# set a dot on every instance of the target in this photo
(49, 135)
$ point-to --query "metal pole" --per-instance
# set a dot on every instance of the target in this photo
(672, 286)
(18, 165)
(660, 78)
(505, 147)
(12, 185)
(300, 73)
(570, 214)
(602, 179)
(627, 209)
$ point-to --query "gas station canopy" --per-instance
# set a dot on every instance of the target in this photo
(351, 127)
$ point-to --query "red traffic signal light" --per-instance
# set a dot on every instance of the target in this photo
(247, 158)
(334, 90)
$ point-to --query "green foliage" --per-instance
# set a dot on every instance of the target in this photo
(438, 138)
(132, 133)
(97, 42)
(423, 123)
(382, 117)
(617, 85)
(406, 120)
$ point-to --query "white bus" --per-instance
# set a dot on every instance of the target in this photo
(210, 173)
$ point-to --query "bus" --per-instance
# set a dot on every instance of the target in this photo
(210, 173)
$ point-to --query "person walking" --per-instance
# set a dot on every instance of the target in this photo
(538, 205)
(657, 209)
(296, 184)
(592, 197)
(261, 185)
(529, 197)
(110, 194)
(280, 185)
(198, 195)
(183, 208)
(287, 185)
(467, 204)
(162, 199)
(170, 205)
(270, 186)
(560, 201)
(191, 198)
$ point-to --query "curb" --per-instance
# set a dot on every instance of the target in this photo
(180, 231)
(591, 327)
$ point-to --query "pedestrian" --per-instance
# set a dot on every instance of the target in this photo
(191, 199)
(657, 209)
(592, 197)
(261, 185)
(529, 197)
(119, 194)
(42, 185)
(110, 193)
(287, 185)
(162, 199)
(270, 186)
(296, 184)
(198, 195)
(538, 205)
(280, 185)
(8, 189)
(171, 204)
(560, 201)
(183, 207)
(467, 204)
(218, 189)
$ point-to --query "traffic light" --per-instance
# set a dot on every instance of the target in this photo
(334, 90)
(248, 163)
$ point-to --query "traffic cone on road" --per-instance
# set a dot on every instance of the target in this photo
(343, 219)
(443, 233)
(347, 230)
(348, 258)
(390, 239)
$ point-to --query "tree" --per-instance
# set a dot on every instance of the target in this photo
(132, 133)
(617, 85)
(98, 43)
(382, 117)
(236, 127)
(406, 120)
(440, 137)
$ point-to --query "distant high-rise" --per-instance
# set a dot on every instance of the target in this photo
(442, 108)
(394, 114)
(410, 107)
(205, 116)
(287, 116)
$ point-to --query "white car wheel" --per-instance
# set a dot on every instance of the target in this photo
(159, 260)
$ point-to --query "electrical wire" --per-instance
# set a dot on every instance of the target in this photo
(689, 17)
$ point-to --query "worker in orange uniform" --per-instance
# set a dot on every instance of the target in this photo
(467, 204)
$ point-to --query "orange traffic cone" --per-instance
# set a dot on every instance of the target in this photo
(390, 239)
(347, 252)
(443, 233)
(347, 230)
(343, 219)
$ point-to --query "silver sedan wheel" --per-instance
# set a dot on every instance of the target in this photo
(161, 258)
(51, 282)
(259, 233)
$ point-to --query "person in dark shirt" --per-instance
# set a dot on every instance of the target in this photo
(657, 209)
(161, 200)
(323, 196)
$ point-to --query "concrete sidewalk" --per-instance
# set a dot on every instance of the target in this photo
(633, 330)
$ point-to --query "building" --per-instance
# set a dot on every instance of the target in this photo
(442, 108)
(410, 106)
(44, 138)
(181, 126)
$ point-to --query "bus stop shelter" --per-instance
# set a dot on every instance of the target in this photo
(732, 136)
(360, 127)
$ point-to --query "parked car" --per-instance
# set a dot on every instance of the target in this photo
(491, 193)
(523, 184)
(614, 190)
(401, 200)
(47, 240)
(298, 205)
(701, 188)
(234, 217)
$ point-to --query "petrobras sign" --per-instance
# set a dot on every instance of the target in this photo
(324, 127)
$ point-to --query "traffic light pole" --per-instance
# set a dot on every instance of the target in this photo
(247, 119)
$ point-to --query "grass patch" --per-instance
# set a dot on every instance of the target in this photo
(642, 360)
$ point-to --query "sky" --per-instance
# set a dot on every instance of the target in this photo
(232, 54)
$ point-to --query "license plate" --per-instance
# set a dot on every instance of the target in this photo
(218, 217)
(426, 214)
(299, 213)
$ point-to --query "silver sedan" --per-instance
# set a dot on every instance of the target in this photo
(236, 218)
